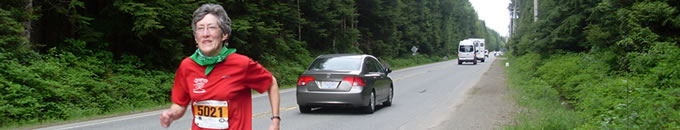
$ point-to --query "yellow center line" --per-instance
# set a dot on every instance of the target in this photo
(416, 74)
(411, 75)
(280, 110)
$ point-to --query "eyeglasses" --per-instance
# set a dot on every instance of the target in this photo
(209, 29)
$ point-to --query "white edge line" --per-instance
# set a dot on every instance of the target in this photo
(102, 121)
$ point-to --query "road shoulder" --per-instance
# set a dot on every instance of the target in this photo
(488, 105)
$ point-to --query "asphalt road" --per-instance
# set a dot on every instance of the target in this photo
(424, 97)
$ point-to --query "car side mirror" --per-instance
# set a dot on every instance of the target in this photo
(388, 70)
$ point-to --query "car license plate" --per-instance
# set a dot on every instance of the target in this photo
(328, 85)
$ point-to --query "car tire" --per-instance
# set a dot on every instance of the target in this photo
(371, 104)
(389, 97)
(305, 109)
(482, 60)
(460, 62)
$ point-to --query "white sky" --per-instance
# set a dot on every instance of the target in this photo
(495, 13)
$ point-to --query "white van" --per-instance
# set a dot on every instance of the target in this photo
(479, 47)
(466, 52)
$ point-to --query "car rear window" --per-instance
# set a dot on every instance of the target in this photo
(465, 48)
(346, 63)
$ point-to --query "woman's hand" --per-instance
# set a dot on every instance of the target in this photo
(166, 118)
(172, 114)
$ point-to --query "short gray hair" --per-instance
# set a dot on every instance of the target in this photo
(223, 19)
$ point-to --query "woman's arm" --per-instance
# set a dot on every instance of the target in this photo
(274, 100)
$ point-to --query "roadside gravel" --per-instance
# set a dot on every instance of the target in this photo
(488, 105)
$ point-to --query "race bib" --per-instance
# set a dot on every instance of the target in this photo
(211, 114)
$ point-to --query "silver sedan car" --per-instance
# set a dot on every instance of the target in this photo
(345, 80)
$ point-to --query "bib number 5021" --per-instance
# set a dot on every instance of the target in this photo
(211, 108)
(210, 111)
(211, 114)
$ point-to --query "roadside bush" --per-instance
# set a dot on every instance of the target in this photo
(286, 73)
(287, 69)
(566, 72)
(621, 70)
(65, 84)
(624, 102)
(542, 102)
(526, 64)
(596, 97)
(646, 98)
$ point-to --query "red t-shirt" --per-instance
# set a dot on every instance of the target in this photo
(230, 81)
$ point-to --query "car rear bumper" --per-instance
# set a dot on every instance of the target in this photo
(466, 59)
(352, 98)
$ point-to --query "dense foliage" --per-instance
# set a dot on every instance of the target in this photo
(613, 63)
(71, 58)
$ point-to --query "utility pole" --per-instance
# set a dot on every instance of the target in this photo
(535, 10)
(514, 15)
(511, 7)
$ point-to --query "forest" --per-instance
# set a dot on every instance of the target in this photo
(64, 59)
(597, 64)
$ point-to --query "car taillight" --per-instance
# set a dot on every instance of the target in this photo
(355, 81)
(304, 80)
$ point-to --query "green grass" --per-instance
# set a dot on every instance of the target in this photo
(541, 108)
(541, 105)
(582, 91)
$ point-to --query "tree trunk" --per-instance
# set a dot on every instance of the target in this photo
(27, 26)
(344, 23)
(299, 24)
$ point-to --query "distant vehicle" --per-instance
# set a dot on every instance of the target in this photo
(466, 52)
(479, 47)
(345, 80)
(499, 53)
(486, 53)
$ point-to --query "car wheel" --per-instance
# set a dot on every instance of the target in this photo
(389, 98)
(460, 62)
(482, 60)
(371, 104)
(305, 109)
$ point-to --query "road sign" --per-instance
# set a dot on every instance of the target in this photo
(414, 49)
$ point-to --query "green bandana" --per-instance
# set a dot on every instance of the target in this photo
(203, 60)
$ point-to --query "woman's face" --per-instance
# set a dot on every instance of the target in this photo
(209, 36)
